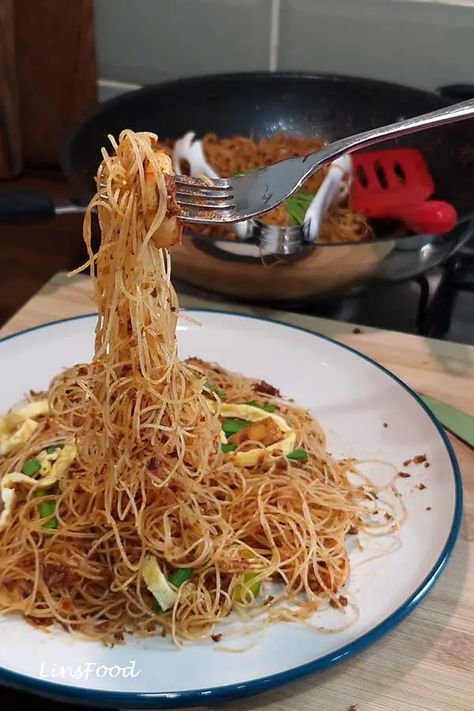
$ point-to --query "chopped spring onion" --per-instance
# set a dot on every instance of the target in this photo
(31, 467)
(54, 448)
(214, 389)
(231, 425)
(297, 454)
(250, 583)
(176, 578)
(227, 447)
(296, 206)
(46, 510)
(262, 405)
(179, 576)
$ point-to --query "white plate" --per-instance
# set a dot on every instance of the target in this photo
(352, 396)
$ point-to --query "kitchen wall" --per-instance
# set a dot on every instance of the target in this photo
(424, 43)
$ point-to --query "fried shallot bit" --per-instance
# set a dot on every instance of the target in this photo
(265, 431)
(265, 388)
(419, 459)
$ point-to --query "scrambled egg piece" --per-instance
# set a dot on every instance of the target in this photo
(53, 466)
(12, 440)
(282, 446)
(157, 583)
(17, 427)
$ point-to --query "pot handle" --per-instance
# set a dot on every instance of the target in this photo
(25, 205)
(19, 206)
(457, 92)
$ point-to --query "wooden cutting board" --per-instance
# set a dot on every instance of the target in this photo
(427, 662)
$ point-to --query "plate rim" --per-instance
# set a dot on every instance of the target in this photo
(200, 697)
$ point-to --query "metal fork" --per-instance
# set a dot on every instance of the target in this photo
(233, 199)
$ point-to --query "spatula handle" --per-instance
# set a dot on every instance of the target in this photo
(432, 217)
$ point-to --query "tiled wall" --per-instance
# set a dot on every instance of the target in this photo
(425, 43)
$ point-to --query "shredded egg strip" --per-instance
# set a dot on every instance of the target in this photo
(17, 427)
(53, 467)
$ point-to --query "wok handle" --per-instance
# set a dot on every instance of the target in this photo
(457, 92)
(17, 206)
(25, 205)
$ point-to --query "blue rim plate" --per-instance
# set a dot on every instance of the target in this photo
(352, 395)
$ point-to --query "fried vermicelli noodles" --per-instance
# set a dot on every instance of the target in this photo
(147, 484)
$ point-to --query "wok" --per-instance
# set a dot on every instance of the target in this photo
(260, 104)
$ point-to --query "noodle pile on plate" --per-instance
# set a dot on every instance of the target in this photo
(241, 154)
(137, 493)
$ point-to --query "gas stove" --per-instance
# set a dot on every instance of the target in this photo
(439, 304)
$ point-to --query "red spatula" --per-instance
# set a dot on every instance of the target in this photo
(396, 184)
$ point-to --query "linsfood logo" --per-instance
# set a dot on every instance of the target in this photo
(88, 670)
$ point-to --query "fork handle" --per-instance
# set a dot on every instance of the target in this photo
(440, 117)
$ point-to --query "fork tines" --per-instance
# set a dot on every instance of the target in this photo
(191, 181)
(204, 192)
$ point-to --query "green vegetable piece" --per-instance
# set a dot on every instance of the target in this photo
(31, 467)
(227, 447)
(47, 509)
(262, 405)
(53, 448)
(297, 454)
(250, 583)
(179, 576)
(296, 206)
(231, 426)
(214, 389)
(176, 578)
(52, 523)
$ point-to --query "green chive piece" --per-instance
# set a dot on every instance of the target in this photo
(250, 583)
(296, 206)
(261, 405)
(179, 576)
(53, 448)
(231, 425)
(227, 447)
(31, 467)
(297, 454)
(214, 389)
(46, 510)
(176, 578)
(52, 523)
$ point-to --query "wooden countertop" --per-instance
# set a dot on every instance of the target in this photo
(427, 662)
